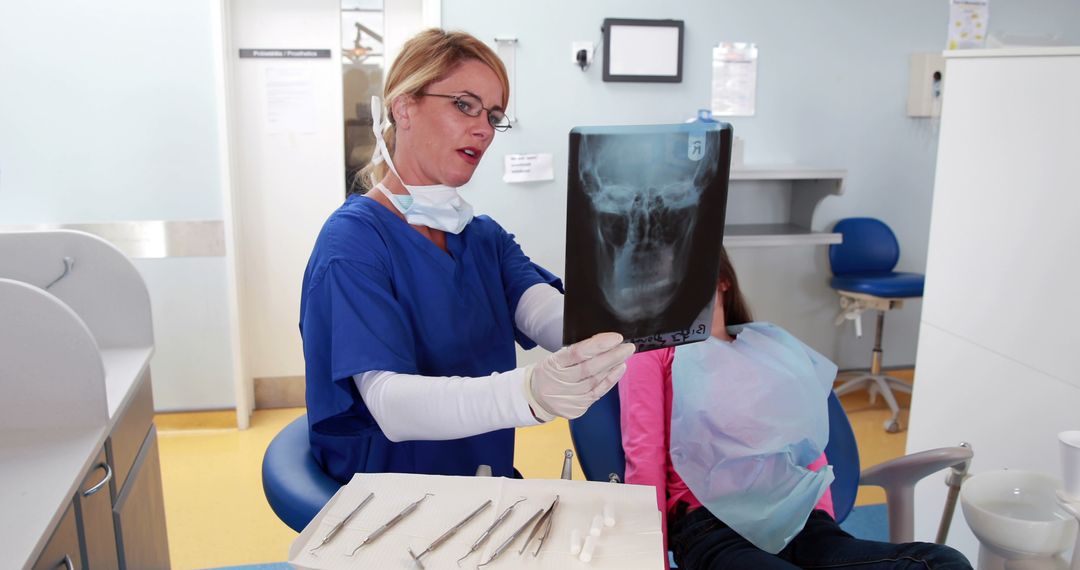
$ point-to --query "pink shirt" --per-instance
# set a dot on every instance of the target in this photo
(645, 402)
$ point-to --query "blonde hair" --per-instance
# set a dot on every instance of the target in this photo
(426, 58)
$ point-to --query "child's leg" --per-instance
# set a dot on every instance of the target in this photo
(701, 542)
(823, 544)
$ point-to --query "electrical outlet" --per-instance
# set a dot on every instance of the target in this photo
(577, 47)
(926, 85)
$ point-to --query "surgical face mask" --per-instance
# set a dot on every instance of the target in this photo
(436, 206)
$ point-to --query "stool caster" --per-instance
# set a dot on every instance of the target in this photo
(892, 426)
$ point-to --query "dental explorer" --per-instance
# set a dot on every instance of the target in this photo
(390, 523)
(334, 530)
(450, 532)
(510, 539)
(487, 532)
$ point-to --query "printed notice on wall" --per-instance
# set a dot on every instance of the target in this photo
(528, 167)
(734, 81)
(967, 23)
(290, 100)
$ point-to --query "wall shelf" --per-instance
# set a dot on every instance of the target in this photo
(762, 235)
(774, 205)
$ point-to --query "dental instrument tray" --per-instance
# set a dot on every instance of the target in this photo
(645, 213)
(463, 522)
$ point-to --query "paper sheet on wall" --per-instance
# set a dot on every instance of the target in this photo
(734, 81)
(290, 100)
(635, 542)
(968, 21)
(528, 167)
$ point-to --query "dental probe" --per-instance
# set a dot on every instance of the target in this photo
(334, 530)
(510, 540)
(390, 523)
(487, 532)
(450, 532)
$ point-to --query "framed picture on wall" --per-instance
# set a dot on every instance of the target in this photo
(648, 51)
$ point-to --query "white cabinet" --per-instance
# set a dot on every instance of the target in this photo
(774, 206)
(81, 483)
(996, 362)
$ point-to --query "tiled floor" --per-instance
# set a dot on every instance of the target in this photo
(217, 514)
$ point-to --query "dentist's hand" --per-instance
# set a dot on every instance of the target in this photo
(566, 383)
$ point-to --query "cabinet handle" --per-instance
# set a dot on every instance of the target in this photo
(68, 564)
(105, 481)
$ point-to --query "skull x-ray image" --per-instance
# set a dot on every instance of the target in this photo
(645, 221)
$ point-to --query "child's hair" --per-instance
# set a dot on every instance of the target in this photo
(736, 311)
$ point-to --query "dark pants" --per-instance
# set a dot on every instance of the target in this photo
(702, 542)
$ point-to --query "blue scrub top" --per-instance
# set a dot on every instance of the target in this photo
(377, 295)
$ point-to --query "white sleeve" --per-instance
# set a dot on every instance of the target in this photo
(539, 315)
(410, 407)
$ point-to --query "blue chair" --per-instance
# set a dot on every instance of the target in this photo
(295, 486)
(863, 276)
(597, 438)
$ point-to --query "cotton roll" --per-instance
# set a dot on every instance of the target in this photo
(575, 541)
(597, 525)
(609, 515)
(587, 549)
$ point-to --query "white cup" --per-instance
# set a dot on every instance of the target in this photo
(1070, 462)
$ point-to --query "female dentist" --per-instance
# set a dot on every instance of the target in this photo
(411, 306)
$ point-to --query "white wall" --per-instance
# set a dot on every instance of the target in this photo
(286, 184)
(404, 18)
(997, 353)
(108, 112)
(832, 88)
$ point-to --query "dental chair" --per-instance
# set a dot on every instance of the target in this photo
(597, 438)
(863, 276)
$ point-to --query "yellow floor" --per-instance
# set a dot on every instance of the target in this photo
(217, 514)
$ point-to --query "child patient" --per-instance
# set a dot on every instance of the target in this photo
(778, 498)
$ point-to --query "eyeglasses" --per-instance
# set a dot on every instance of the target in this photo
(472, 106)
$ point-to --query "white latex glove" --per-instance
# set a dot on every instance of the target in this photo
(566, 383)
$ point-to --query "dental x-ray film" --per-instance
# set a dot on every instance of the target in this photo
(645, 222)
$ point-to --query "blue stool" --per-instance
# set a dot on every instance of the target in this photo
(295, 486)
(863, 276)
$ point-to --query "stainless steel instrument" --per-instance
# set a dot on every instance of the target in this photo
(543, 523)
(334, 530)
(390, 523)
(510, 540)
(450, 532)
(487, 532)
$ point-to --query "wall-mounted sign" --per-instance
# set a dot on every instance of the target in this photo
(285, 53)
